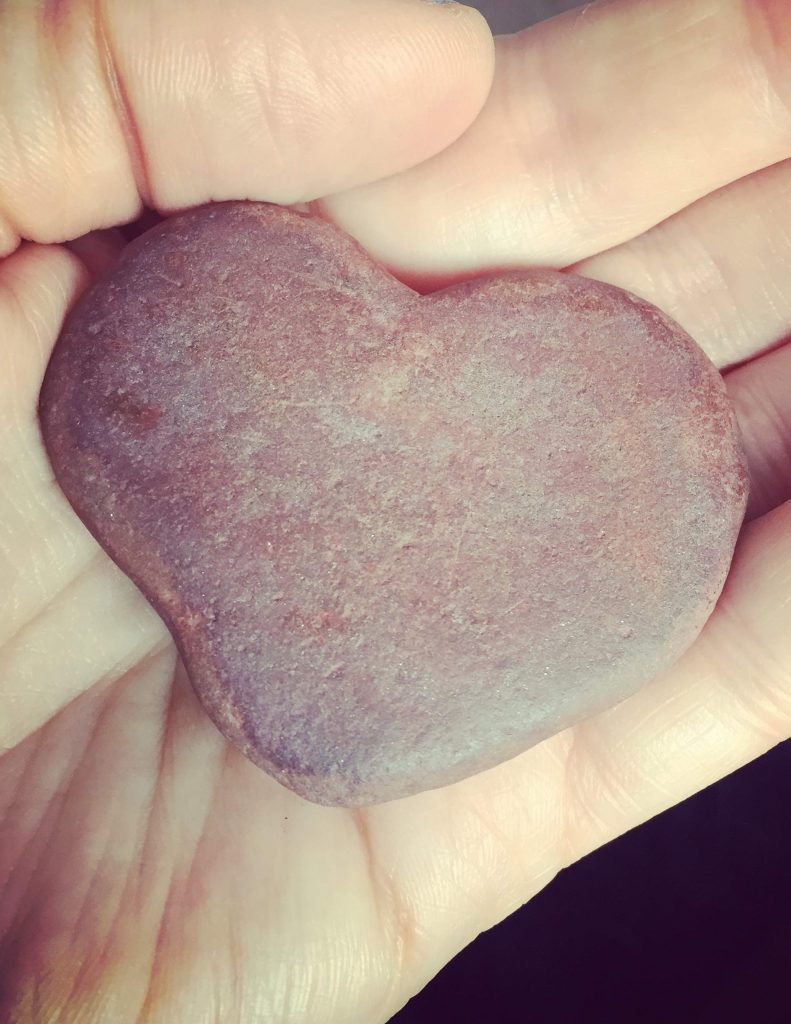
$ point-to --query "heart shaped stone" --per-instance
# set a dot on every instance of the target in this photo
(397, 539)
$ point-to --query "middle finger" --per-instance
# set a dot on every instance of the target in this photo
(601, 123)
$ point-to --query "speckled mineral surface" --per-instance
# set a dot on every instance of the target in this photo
(397, 539)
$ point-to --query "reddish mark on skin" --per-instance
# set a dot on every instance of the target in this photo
(55, 15)
(769, 31)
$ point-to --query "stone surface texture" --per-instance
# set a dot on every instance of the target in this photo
(397, 539)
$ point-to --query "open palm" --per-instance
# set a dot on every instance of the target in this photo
(147, 871)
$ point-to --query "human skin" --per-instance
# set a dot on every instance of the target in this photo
(129, 828)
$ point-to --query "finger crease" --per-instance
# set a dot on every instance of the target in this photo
(122, 106)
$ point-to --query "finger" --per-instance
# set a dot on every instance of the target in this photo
(59, 593)
(761, 394)
(38, 284)
(725, 703)
(464, 857)
(721, 267)
(185, 101)
(600, 124)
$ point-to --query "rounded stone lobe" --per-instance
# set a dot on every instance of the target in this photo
(397, 539)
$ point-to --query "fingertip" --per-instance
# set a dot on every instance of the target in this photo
(38, 286)
(465, 47)
(9, 237)
(44, 277)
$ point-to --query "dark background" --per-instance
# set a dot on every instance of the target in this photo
(511, 15)
(685, 920)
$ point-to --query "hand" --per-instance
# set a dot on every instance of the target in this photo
(148, 872)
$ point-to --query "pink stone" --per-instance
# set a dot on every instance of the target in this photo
(397, 539)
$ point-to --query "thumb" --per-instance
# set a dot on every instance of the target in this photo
(105, 106)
